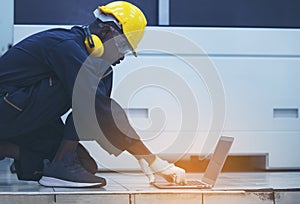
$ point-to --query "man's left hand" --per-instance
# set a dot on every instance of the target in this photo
(168, 171)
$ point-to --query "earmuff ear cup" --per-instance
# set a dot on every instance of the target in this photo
(98, 49)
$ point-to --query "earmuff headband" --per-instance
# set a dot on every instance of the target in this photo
(88, 36)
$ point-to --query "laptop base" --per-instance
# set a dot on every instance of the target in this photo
(190, 184)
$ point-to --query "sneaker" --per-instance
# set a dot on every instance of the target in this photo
(86, 160)
(68, 173)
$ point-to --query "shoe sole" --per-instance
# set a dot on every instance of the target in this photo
(55, 182)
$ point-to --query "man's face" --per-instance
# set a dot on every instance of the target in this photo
(115, 44)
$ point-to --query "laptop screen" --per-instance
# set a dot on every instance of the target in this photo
(217, 160)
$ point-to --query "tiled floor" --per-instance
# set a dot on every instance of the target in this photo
(133, 188)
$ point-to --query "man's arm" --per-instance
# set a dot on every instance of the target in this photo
(140, 151)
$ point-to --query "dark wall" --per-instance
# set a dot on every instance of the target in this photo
(235, 13)
(70, 12)
(220, 13)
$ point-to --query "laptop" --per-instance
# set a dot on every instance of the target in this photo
(212, 171)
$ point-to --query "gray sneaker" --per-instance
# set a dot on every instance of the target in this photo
(86, 160)
(68, 173)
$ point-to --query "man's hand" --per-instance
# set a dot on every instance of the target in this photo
(163, 168)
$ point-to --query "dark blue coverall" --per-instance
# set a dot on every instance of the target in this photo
(37, 77)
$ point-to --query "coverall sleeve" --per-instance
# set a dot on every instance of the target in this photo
(114, 124)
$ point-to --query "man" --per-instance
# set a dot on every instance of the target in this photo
(37, 79)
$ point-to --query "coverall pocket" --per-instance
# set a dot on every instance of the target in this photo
(18, 99)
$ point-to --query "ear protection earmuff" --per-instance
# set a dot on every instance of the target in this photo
(93, 43)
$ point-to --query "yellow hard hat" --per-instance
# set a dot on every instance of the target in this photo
(131, 19)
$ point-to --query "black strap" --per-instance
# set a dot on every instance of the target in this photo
(88, 36)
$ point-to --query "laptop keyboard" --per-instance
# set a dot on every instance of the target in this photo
(194, 183)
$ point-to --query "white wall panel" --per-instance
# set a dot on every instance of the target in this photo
(255, 87)
(259, 69)
(241, 41)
